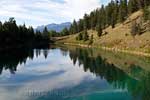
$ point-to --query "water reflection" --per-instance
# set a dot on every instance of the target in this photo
(68, 73)
(10, 59)
(136, 80)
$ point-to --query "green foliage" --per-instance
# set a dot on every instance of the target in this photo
(146, 3)
(75, 27)
(79, 37)
(65, 32)
(102, 17)
(109, 15)
(123, 10)
(91, 40)
(53, 33)
(13, 35)
(45, 33)
(86, 22)
(99, 30)
(81, 25)
(147, 13)
(132, 6)
(83, 36)
(93, 19)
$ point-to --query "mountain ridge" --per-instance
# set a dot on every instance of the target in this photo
(54, 26)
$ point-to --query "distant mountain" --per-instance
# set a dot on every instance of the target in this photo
(53, 26)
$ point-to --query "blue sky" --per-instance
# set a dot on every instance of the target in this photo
(42, 12)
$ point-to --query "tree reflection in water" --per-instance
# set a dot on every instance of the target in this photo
(11, 58)
(136, 81)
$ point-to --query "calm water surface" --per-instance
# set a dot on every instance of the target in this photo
(71, 73)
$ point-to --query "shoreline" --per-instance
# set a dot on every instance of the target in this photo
(110, 49)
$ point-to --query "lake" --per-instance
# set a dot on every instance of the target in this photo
(73, 73)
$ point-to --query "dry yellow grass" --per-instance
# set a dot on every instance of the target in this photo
(119, 37)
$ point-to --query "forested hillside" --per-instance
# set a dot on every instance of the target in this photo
(117, 11)
(123, 24)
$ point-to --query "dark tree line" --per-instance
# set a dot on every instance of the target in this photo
(117, 11)
(12, 35)
(64, 32)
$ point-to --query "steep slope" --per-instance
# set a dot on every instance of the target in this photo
(119, 37)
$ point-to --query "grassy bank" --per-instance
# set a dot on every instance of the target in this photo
(118, 39)
(128, 51)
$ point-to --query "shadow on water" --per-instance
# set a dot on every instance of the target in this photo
(136, 80)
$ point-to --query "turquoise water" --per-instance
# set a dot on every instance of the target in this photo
(67, 73)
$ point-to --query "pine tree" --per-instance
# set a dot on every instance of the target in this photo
(132, 6)
(75, 27)
(45, 35)
(102, 17)
(85, 35)
(64, 32)
(79, 37)
(80, 25)
(71, 29)
(114, 14)
(86, 22)
(108, 14)
(1, 27)
(116, 11)
(91, 40)
(13, 35)
(123, 10)
(93, 19)
(140, 4)
(146, 3)
(99, 30)
(147, 13)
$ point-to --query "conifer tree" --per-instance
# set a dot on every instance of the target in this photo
(85, 35)
(91, 40)
(86, 22)
(75, 27)
(99, 30)
(132, 6)
(81, 25)
(102, 17)
(147, 13)
(93, 19)
(146, 3)
(64, 32)
(71, 29)
(123, 10)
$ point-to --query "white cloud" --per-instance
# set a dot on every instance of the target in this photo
(77, 8)
(46, 11)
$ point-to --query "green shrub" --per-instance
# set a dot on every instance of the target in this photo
(79, 37)
(147, 13)
(83, 36)
(91, 40)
